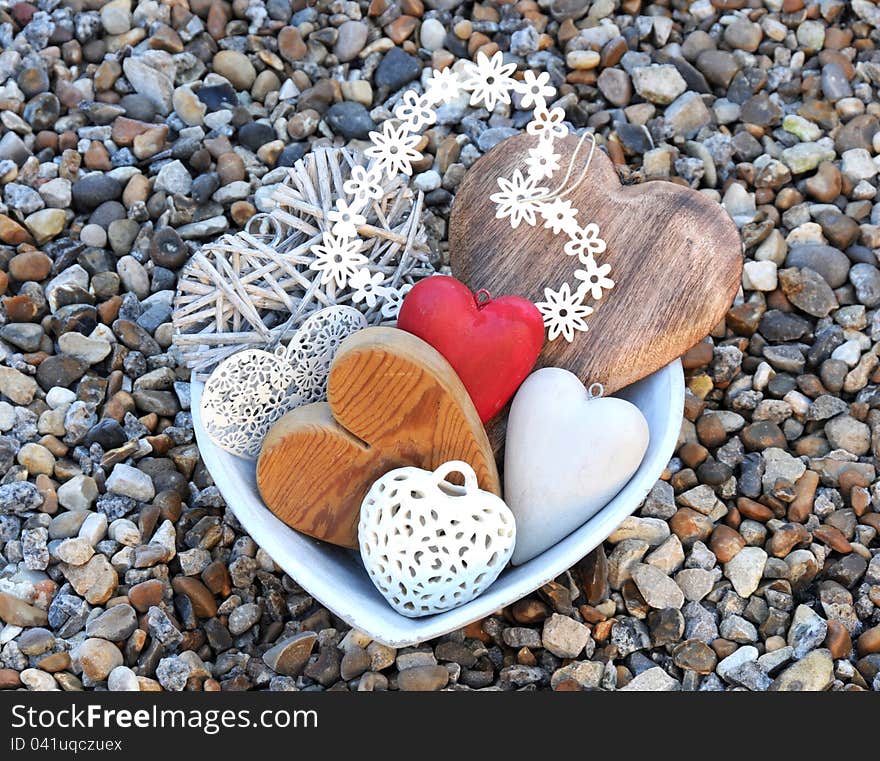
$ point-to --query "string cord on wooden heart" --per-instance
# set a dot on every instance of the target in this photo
(562, 191)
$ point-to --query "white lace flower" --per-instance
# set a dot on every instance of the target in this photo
(563, 312)
(416, 111)
(593, 279)
(489, 81)
(345, 219)
(542, 162)
(337, 259)
(516, 199)
(363, 185)
(548, 125)
(366, 286)
(443, 85)
(393, 300)
(585, 242)
(394, 148)
(534, 89)
(559, 216)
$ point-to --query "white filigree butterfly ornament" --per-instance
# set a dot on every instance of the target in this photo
(247, 392)
(430, 545)
(521, 198)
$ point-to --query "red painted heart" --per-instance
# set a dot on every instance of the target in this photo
(491, 343)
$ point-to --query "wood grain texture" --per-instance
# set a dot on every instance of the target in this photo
(675, 255)
(393, 401)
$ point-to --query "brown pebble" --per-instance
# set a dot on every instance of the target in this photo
(125, 130)
(148, 519)
(145, 595)
(291, 45)
(150, 142)
(872, 520)
(612, 52)
(149, 685)
(825, 185)
(109, 310)
(217, 146)
(150, 421)
(118, 405)
(31, 265)
(216, 578)
(698, 356)
(200, 160)
(46, 139)
(169, 504)
(568, 685)
(529, 611)
(203, 602)
(754, 510)
(690, 526)
(97, 157)
(218, 17)
(696, 655)
(602, 630)
(710, 431)
(591, 615)
(160, 444)
(848, 477)
(163, 37)
(9, 679)
(837, 640)
(869, 641)
(833, 537)
(860, 500)
(725, 543)
(401, 29)
(804, 492)
(786, 538)
(20, 308)
(241, 212)
(423, 678)
(723, 647)
(591, 575)
(137, 190)
(54, 662)
(230, 168)
(693, 454)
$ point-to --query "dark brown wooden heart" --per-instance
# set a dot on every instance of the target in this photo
(675, 255)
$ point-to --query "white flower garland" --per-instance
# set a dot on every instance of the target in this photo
(520, 197)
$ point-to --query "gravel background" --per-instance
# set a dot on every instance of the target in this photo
(131, 132)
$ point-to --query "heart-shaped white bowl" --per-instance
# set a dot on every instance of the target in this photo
(337, 578)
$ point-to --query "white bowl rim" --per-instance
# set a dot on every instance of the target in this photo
(396, 630)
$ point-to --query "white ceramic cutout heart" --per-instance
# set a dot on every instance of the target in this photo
(429, 545)
(567, 455)
(250, 390)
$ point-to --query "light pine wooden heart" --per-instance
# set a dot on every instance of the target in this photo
(393, 401)
(675, 256)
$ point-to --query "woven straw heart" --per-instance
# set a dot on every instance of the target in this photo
(250, 390)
